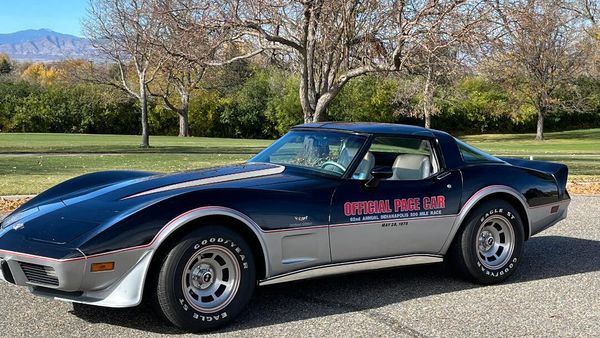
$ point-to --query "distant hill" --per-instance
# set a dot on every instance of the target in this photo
(45, 45)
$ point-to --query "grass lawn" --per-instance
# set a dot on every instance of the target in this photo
(30, 163)
(22, 175)
(85, 143)
(585, 141)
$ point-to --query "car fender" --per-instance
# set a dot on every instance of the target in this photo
(475, 199)
(206, 211)
(128, 290)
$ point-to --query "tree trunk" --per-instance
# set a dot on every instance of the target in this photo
(184, 129)
(307, 108)
(144, 105)
(320, 114)
(428, 99)
(542, 107)
(540, 125)
(428, 107)
(184, 125)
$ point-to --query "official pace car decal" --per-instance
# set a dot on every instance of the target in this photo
(387, 209)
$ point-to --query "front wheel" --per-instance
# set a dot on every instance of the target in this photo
(207, 279)
(489, 246)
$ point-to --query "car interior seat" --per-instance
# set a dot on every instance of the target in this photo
(411, 167)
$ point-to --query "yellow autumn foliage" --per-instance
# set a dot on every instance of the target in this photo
(41, 73)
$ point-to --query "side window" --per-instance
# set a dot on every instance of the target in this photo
(471, 154)
(408, 158)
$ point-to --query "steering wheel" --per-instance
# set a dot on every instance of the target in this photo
(337, 167)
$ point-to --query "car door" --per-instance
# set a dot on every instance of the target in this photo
(410, 212)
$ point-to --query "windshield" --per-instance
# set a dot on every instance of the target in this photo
(323, 151)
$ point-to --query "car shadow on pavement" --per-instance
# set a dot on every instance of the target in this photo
(544, 257)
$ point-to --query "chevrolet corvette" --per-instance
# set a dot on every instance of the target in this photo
(326, 198)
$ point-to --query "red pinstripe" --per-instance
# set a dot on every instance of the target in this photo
(264, 231)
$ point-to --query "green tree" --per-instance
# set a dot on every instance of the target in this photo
(284, 109)
(369, 98)
(244, 113)
(5, 67)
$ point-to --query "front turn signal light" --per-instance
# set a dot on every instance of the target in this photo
(99, 267)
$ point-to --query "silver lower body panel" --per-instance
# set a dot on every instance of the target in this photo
(350, 267)
(120, 287)
(290, 254)
(545, 216)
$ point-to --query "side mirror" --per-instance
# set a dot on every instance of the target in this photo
(378, 174)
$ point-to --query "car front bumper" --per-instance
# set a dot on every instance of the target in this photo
(72, 280)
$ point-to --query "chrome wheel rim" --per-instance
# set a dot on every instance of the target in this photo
(495, 242)
(211, 279)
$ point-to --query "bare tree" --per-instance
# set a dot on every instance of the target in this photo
(445, 49)
(537, 44)
(332, 42)
(193, 39)
(183, 78)
(121, 30)
(589, 10)
(589, 13)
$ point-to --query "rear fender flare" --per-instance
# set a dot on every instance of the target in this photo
(474, 200)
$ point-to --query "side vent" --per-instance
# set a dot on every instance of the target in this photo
(39, 274)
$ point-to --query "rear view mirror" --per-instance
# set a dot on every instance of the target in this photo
(378, 174)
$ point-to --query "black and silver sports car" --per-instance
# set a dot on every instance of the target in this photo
(326, 198)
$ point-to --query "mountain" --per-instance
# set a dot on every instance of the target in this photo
(45, 45)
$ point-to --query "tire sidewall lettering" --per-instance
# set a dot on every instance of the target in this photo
(512, 263)
(500, 272)
(236, 250)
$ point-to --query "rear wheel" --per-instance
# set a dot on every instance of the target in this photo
(206, 279)
(489, 246)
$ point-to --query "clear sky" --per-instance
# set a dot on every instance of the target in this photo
(63, 16)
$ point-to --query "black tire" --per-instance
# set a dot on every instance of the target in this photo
(208, 251)
(468, 254)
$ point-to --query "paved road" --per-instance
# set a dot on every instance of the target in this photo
(556, 292)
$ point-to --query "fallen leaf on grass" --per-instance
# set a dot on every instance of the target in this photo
(8, 205)
(583, 188)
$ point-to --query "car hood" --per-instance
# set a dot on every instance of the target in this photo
(77, 206)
